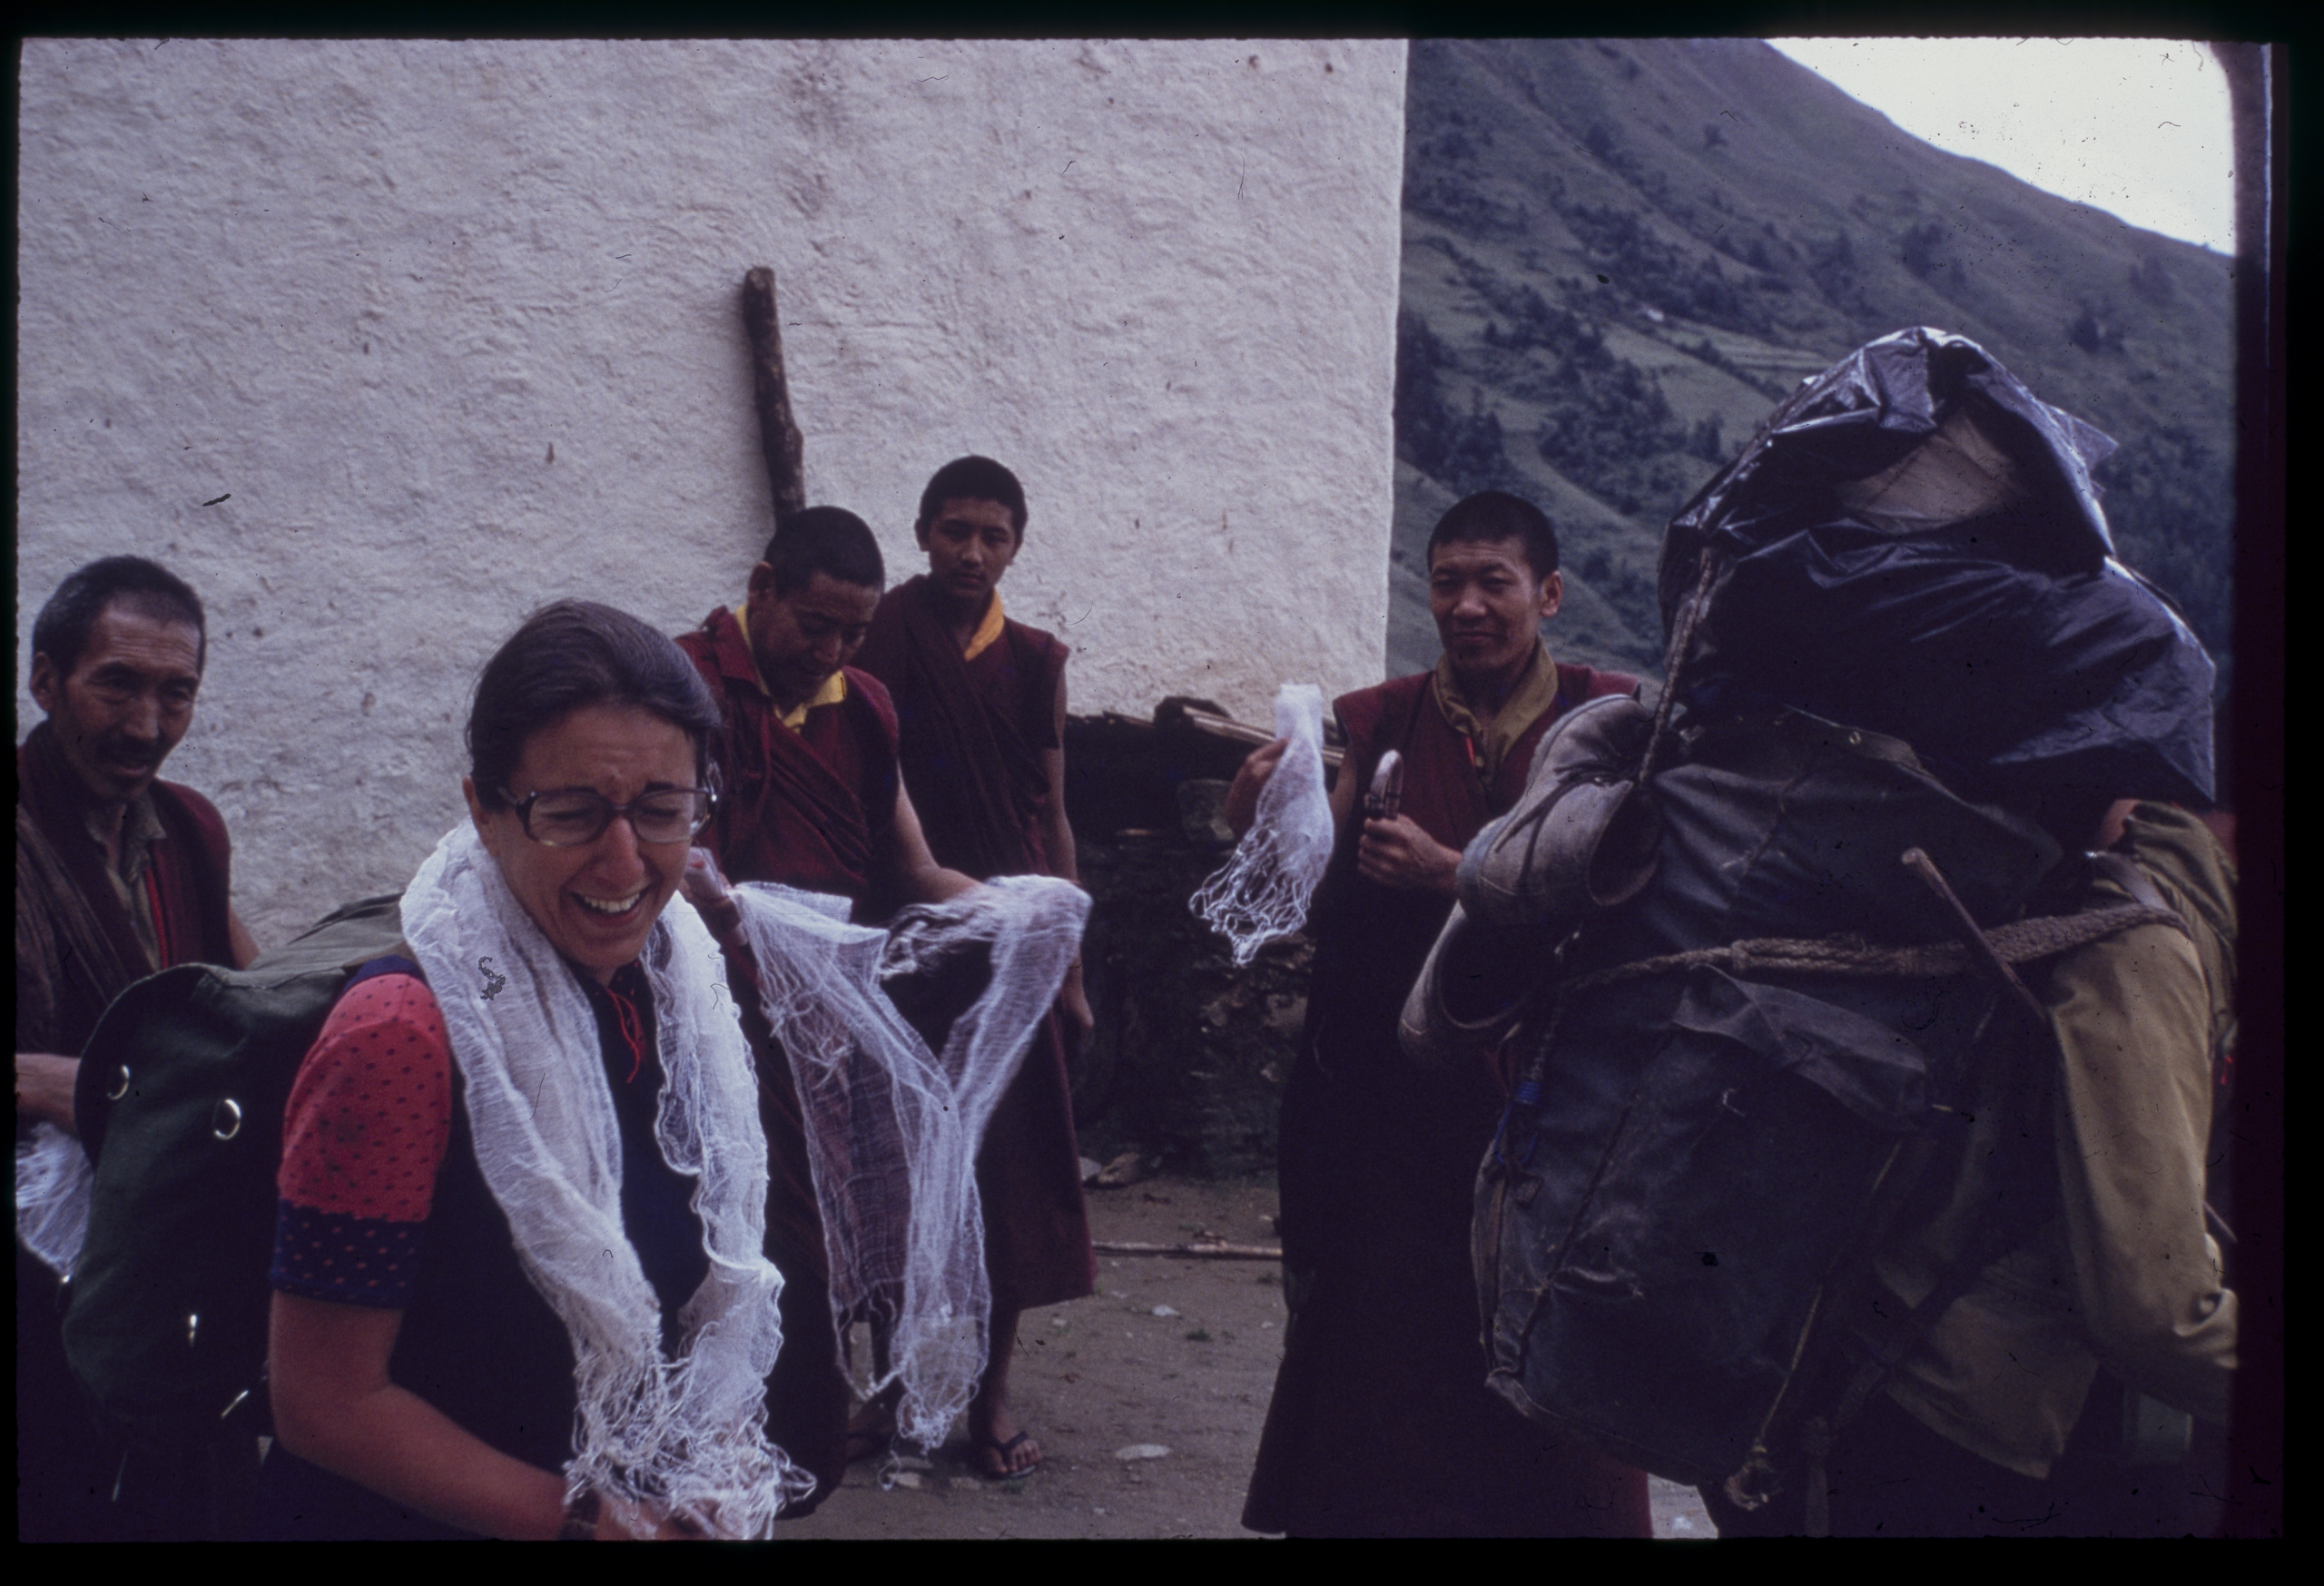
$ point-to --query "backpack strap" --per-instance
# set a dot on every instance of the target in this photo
(2126, 874)
(393, 964)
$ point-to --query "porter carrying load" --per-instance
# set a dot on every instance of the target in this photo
(1783, 918)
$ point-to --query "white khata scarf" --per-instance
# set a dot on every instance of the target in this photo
(1263, 891)
(892, 1128)
(55, 1182)
(686, 1437)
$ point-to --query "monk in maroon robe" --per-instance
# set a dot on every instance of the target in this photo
(808, 804)
(980, 704)
(118, 875)
(809, 796)
(1381, 1423)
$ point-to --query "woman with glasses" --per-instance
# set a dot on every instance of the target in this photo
(519, 1281)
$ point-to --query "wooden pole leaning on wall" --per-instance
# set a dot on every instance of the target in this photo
(778, 432)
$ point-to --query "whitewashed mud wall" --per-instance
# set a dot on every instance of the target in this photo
(384, 344)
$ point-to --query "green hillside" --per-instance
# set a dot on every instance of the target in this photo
(1620, 253)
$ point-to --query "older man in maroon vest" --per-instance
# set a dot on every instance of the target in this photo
(118, 875)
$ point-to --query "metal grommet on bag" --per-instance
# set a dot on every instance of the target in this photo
(120, 1084)
(226, 1119)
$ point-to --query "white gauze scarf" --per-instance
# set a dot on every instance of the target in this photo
(892, 1128)
(55, 1182)
(1263, 891)
(686, 1437)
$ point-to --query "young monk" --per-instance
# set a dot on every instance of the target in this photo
(980, 706)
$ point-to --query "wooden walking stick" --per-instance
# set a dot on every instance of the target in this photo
(778, 433)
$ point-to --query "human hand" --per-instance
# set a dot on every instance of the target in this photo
(1242, 805)
(1080, 1022)
(705, 888)
(45, 1087)
(622, 1519)
(1398, 854)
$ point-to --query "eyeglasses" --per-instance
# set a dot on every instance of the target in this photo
(569, 817)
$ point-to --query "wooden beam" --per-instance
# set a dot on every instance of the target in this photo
(1218, 727)
(778, 432)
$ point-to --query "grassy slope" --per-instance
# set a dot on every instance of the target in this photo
(1618, 253)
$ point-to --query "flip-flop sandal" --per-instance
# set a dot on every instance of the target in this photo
(1004, 1450)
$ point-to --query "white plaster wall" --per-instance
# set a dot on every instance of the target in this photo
(454, 327)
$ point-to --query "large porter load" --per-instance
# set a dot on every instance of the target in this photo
(1754, 950)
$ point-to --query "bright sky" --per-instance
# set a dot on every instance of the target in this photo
(2136, 127)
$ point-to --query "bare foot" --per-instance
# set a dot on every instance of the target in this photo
(1000, 1449)
(871, 1429)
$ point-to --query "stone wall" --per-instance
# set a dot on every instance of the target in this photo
(1191, 1051)
(382, 344)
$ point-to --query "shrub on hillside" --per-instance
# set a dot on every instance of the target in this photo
(1610, 430)
(2096, 328)
(1461, 451)
(1645, 267)
(2167, 496)
(1920, 245)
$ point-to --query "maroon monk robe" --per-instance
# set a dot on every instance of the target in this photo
(973, 732)
(807, 1394)
(808, 808)
(1381, 1423)
(805, 809)
(973, 737)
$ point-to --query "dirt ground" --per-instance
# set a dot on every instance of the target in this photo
(1147, 1397)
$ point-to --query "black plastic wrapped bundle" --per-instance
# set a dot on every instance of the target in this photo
(1913, 545)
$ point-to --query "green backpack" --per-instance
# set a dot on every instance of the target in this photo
(180, 1104)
